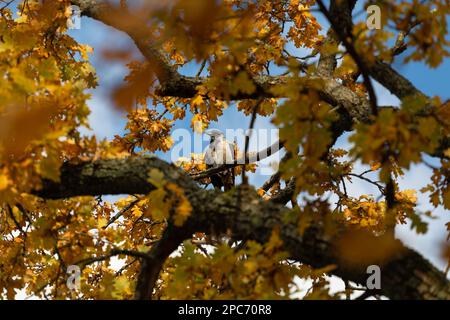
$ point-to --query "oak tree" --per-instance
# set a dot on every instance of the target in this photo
(175, 238)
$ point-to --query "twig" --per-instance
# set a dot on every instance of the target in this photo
(121, 213)
(248, 136)
(201, 69)
(114, 252)
(119, 272)
(276, 176)
(400, 45)
(274, 148)
(379, 186)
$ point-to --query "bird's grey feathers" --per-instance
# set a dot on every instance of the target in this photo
(219, 152)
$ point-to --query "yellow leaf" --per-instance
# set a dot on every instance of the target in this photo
(197, 100)
(375, 166)
(137, 212)
(4, 181)
(198, 123)
(260, 192)
(447, 152)
(101, 222)
(84, 51)
(122, 287)
(183, 212)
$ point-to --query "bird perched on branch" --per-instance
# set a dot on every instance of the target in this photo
(219, 152)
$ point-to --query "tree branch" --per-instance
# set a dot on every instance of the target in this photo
(407, 276)
(250, 157)
(352, 107)
(342, 13)
(115, 252)
(337, 27)
(152, 265)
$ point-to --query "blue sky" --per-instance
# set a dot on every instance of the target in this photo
(106, 121)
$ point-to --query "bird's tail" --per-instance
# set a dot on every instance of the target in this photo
(235, 156)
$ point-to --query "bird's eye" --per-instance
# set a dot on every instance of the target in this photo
(212, 139)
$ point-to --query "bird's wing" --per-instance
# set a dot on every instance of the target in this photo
(229, 175)
(210, 156)
(220, 152)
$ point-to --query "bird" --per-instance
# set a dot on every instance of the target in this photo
(219, 152)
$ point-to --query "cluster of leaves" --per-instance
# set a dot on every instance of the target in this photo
(43, 107)
(42, 94)
(167, 198)
(147, 131)
(242, 38)
(440, 187)
(428, 39)
(399, 134)
(366, 212)
(247, 271)
(304, 124)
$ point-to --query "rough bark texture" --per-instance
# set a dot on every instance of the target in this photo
(407, 276)
(342, 11)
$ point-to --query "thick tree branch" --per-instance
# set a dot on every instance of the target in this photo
(344, 38)
(173, 83)
(151, 266)
(114, 176)
(352, 107)
(341, 10)
(393, 81)
(407, 276)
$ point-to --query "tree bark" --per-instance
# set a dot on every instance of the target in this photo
(406, 276)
